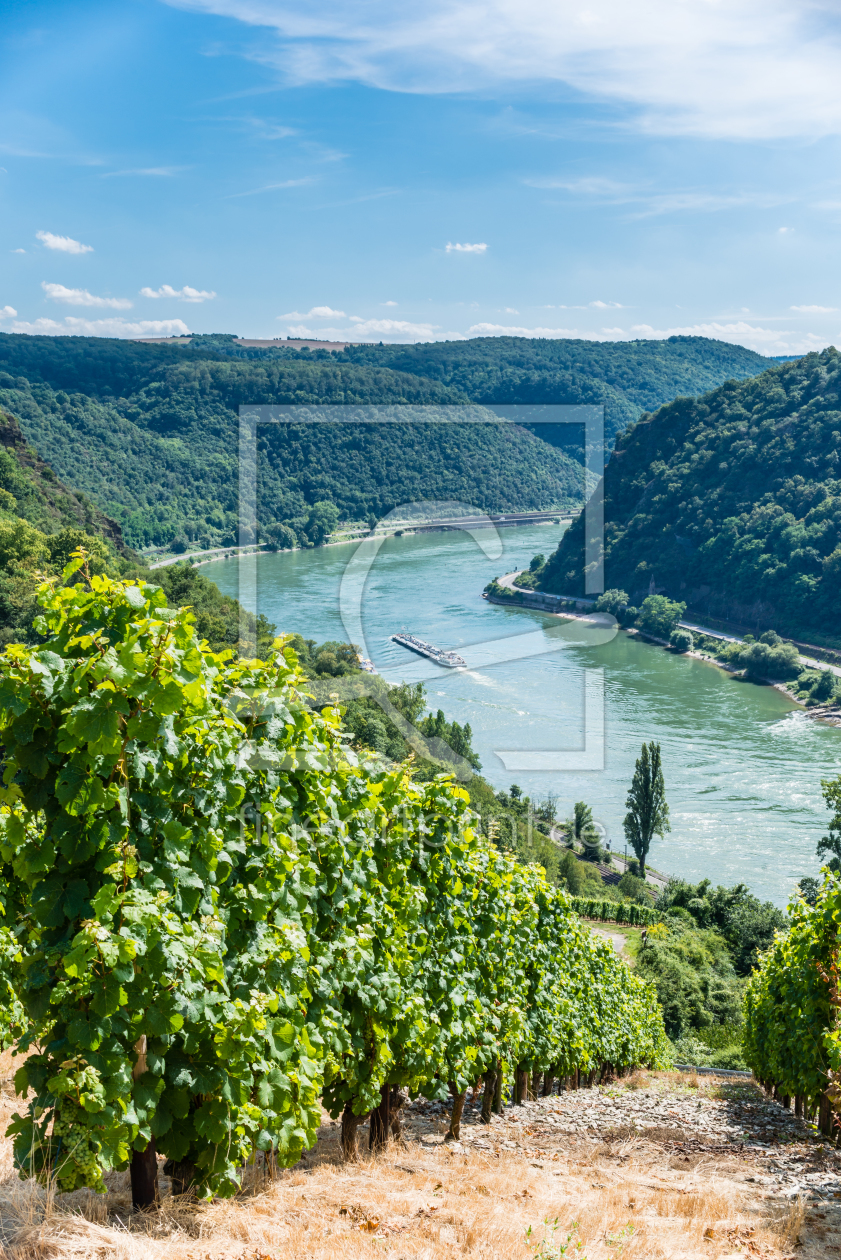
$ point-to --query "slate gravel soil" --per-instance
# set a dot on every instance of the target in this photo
(676, 1124)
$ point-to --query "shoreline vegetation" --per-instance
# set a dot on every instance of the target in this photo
(705, 644)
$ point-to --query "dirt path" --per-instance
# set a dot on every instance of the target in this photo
(617, 939)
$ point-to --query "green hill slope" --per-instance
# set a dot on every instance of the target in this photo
(162, 456)
(150, 432)
(628, 377)
(730, 502)
(42, 522)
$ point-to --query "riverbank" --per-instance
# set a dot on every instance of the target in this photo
(575, 609)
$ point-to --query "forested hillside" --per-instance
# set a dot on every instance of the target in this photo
(42, 522)
(149, 432)
(163, 457)
(628, 377)
(730, 502)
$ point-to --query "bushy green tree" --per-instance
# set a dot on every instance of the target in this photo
(634, 889)
(279, 536)
(322, 520)
(612, 601)
(747, 924)
(829, 846)
(659, 616)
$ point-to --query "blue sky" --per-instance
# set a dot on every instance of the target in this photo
(357, 168)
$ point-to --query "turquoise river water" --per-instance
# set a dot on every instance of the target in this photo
(742, 764)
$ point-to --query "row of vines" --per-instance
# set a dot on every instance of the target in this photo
(615, 911)
(218, 918)
(792, 1031)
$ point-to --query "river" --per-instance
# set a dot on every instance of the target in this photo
(742, 764)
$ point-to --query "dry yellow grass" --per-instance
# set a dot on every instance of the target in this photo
(414, 1203)
(420, 1200)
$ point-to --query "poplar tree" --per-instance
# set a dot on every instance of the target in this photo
(648, 813)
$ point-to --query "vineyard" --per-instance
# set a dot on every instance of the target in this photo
(218, 917)
(615, 911)
(792, 1036)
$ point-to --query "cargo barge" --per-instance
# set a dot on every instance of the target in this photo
(450, 660)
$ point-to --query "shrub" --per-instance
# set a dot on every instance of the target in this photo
(635, 889)
(767, 660)
(681, 640)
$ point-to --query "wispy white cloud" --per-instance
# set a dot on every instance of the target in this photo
(466, 249)
(64, 244)
(389, 303)
(81, 297)
(73, 326)
(183, 295)
(285, 183)
(650, 202)
(317, 312)
(815, 310)
(159, 172)
(8, 312)
(606, 306)
(747, 69)
(768, 341)
(18, 251)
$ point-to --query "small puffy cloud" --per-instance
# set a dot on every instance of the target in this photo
(18, 251)
(509, 310)
(183, 295)
(8, 312)
(317, 312)
(466, 249)
(64, 244)
(606, 306)
(74, 326)
(389, 303)
(815, 310)
(81, 297)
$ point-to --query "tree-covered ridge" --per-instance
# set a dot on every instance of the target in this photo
(164, 458)
(150, 431)
(30, 490)
(627, 377)
(730, 502)
(42, 522)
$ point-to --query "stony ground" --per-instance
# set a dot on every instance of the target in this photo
(658, 1166)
